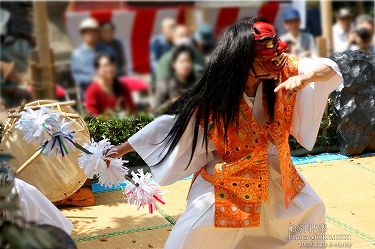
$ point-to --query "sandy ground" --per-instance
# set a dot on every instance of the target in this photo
(346, 186)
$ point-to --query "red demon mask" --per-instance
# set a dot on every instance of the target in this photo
(268, 48)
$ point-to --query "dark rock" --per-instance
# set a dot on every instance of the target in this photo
(354, 102)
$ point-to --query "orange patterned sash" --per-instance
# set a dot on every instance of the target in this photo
(241, 181)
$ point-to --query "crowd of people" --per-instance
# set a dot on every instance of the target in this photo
(177, 58)
(98, 65)
(350, 33)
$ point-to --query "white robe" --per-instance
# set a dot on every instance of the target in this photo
(195, 228)
(35, 207)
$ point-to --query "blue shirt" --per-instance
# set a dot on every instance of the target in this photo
(82, 65)
(158, 46)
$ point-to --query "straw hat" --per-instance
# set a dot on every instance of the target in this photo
(344, 13)
(88, 23)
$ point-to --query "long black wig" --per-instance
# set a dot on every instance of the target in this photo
(218, 92)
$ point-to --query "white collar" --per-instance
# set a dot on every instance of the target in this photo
(256, 99)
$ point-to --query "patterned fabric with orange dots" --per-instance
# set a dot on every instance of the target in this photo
(241, 181)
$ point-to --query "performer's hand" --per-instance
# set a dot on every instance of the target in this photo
(122, 149)
(293, 84)
(319, 73)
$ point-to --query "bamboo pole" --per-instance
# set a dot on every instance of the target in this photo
(30, 160)
(64, 114)
(326, 20)
(359, 7)
(321, 46)
(35, 107)
(45, 89)
(326, 43)
(9, 124)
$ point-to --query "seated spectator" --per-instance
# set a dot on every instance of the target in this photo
(82, 61)
(106, 93)
(161, 43)
(204, 39)
(341, 30)
(108, 44)
(167, 91)
(303, 42)
(181, 36)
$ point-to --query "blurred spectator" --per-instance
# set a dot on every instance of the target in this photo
(82, 61)
(12, 94)
(363, 23)
(106, 93)
(204, 39)
(108, 44)
(181, 36)
(291, 47)
(60, 93)
(361, 39)
(4, 20)
(341, 30)
(303, 43)
(161, 43)
(182, 78)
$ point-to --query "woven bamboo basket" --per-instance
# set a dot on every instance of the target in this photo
(55, 176)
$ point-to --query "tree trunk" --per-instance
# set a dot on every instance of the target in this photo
(326, 14)
(43, 86)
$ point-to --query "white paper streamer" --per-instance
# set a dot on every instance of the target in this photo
(144, 192)
(114, 174)
(110, 170)
(37, 126)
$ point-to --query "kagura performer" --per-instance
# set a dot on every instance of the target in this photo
(231, 130)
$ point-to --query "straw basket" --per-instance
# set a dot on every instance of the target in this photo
(55, 176)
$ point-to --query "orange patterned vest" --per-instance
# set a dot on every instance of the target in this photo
(241, 181)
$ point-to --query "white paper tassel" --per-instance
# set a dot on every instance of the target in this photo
(110, 170)
(143, 192)
(37, 126)
(114, 173)
(91, 163)
(62, 140)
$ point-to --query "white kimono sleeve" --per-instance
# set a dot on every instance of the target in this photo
(146, 143)
(311, 101)
(35, 207)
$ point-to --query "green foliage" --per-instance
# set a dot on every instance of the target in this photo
(117, 130)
